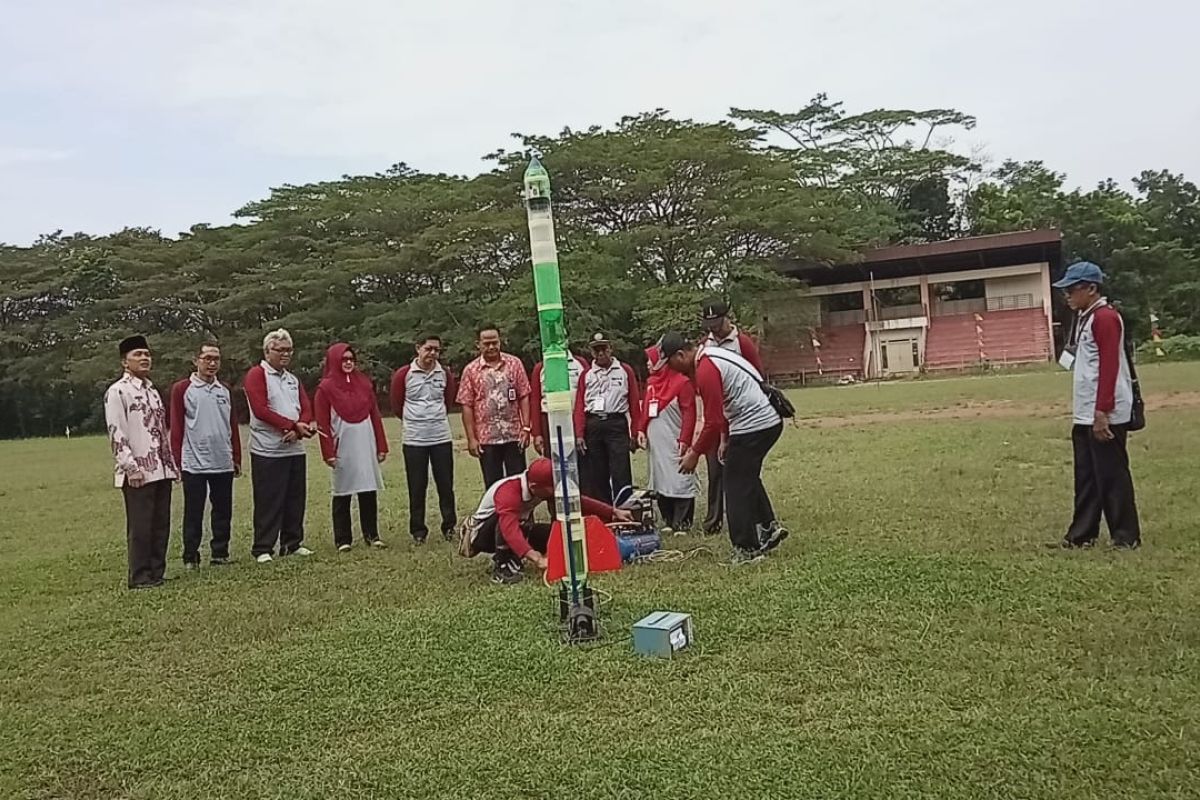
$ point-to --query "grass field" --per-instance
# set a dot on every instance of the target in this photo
(912, 639)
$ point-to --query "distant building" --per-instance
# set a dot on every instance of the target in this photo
(941, 306)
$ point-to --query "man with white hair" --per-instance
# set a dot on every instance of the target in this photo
(281, 418)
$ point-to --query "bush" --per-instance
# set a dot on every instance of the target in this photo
(1174, 348)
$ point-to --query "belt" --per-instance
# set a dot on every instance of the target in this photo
(595, 415)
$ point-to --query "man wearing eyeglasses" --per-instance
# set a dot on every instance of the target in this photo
(208, 451)
(1103, 404)
(421, 396)
(281, 418)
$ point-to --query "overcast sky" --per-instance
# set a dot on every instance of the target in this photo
(166, 113)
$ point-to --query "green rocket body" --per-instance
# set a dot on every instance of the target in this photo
(556, 374)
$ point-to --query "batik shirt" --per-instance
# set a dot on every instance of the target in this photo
(494, 394)
(137, 431)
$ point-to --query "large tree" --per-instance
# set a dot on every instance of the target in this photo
(890, 162)
(1148, 241)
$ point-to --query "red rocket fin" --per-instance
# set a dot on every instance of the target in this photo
(604, 555)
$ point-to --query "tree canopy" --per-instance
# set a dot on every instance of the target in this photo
(652, 214)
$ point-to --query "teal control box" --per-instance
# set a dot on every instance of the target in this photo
(662, 634)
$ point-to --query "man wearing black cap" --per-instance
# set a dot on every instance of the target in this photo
(1103, 409)
(145, 466)
(735, 406)
(607, 405)
(722, 333)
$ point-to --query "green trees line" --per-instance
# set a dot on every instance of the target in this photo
(652, 214)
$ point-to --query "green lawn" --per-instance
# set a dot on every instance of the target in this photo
(912, 638)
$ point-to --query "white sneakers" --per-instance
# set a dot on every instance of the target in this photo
(378, 543)
(343, 548)
(265, 558)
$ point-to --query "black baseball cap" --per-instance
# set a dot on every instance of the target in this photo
(714, 308)
(671, 343)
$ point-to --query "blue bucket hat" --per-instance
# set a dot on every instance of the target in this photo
(1082, 272)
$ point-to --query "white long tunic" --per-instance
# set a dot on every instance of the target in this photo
(357, 467)
(662, 435)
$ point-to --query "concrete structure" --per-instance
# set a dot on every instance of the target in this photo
(945, 305)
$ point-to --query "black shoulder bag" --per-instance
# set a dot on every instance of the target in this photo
(1137, 416)
(775, 396)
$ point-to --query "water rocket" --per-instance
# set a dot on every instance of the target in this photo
(568, 550)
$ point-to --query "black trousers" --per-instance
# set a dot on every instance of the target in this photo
(417, 463)
(1103, 486)
(368, 517)
(500, 461)
(199, 487)
(490, 540)
(608, 462)
(280, 494)
(746, 500)
(715, 518)
(147, 532)
(677, 512)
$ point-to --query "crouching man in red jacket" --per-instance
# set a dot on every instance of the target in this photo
(503, 524)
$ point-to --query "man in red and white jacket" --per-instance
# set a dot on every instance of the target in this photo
(608, 404)
(281, 418)
(736, 408)
(1103, 408)
(722, 333)
(503, 523)
(208, 451)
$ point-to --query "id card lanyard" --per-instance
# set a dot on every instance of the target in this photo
(1066, 359)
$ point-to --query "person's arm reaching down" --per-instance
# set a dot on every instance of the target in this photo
(178, 393)
(712, 394)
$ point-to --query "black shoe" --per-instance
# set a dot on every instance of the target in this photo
(712, 530)
(150, 585)
(771, 536)
(418, 540)
(741, 556)
(218, 561)
(1121, 546)
(190, 566)
(1067, 544)
(507, 574)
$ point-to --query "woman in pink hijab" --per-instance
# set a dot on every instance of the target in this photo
(668, 422)
(353, 443)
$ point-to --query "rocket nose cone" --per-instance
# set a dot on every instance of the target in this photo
(535, 167)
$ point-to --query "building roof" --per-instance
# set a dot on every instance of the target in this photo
(952, 255)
